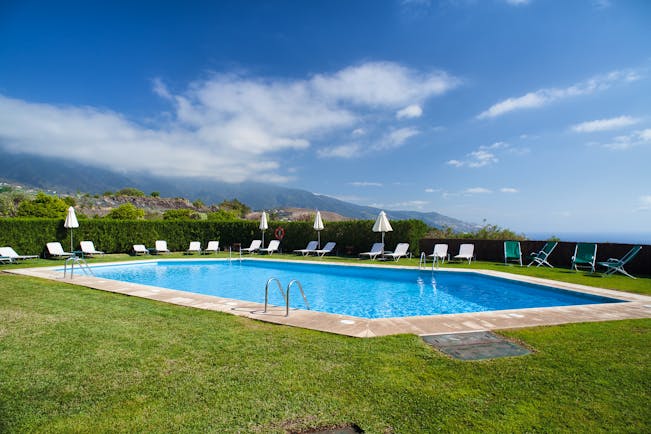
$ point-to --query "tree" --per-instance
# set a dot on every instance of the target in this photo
(198, 203)
(9, 202)
(126, 211)
(130, 191)
(235, 205)
(223, 215)
(43, 205)
(154, 194)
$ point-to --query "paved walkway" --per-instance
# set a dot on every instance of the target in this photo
(635, 306)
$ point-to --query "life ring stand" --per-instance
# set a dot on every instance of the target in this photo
(279, 233)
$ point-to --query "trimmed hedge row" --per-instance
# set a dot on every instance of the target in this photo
(29, 235)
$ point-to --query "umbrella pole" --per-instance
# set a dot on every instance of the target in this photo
(262, 238)
(70, 240)
(318, 234)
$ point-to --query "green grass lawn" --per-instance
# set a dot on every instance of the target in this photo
(74, 359)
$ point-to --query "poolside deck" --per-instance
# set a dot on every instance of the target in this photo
(635, 306)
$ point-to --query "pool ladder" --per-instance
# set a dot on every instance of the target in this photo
(230, 254)
(83, 265)
(422, 263)
(285, 294)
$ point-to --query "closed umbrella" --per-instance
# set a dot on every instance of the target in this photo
(71, 223)
(318, 226)
(382, 224)
(263, 225)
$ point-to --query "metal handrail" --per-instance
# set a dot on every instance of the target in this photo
(300, 287)
(230, 254)
(422, 261)
(284, 294)
(76, 260)
(280, 288)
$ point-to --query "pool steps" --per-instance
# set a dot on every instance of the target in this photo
(285, 294)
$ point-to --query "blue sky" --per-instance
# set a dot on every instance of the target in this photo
(532, 115)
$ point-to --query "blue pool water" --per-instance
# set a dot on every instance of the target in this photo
(368, 292)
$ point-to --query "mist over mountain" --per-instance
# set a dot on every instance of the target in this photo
(66, 176)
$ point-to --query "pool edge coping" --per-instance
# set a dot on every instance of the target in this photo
(633, 306)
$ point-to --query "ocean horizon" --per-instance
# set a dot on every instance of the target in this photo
(595, 237)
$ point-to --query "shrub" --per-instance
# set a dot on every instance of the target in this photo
(43, 205)
(130, 191)
(126, 211)
(117, 236)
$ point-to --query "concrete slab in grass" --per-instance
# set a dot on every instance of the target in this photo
(475, 345)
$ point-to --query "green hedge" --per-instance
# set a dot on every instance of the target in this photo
(29, 235)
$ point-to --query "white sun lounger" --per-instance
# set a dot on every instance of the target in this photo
(466, 251)
(161, 247)
(328, 248)
(88, 248)
(212, 247)
(195, 247)
(402, 250)
(272, 247)
(310, 248)
(440, 253)
(55, 250)
(376, 250)
(140, 249)
(254, 247)
(9, 252)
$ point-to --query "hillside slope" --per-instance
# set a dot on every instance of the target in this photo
(65, 176)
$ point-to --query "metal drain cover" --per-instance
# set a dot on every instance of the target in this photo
(475, 345)
(347, 429)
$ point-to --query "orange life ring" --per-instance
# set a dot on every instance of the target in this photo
(279, 233)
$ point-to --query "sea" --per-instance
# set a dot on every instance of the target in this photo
(594, 237)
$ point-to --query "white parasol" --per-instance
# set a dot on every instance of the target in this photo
(318, 226)
(263, 225)
(71, 223)
(382, 224)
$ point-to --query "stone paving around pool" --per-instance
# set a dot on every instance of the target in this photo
(634, 306)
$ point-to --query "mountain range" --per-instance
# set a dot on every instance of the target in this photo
(66, 176)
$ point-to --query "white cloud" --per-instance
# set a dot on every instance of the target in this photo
(476, 159)
(409, 204)
(645, 203)
(477, 190)
(604, 124)
(229, 126)
(602, 4)
(409, 112)
(517, 2)
(509, 190)
(625, 142)
(543, 97)
(350, 150)
(432, 190)
(366, 184)
(395, 139)
(382, 84)
(486, 155)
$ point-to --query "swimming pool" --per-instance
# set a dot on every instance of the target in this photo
(367, 292)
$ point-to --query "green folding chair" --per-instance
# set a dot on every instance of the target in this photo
(512, 252)
(540, 258)
(617, 265)
(585, 255)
